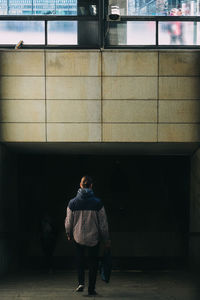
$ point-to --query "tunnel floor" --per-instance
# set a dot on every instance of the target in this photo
(174, 285)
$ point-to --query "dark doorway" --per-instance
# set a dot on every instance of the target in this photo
(146, 199)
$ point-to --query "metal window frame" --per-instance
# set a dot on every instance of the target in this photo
(101, 18)
(46, 19)
(156, 19)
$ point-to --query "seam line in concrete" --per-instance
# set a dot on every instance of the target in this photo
(22, 76)
(45, 86)
(74, 100)
(50, 76)
(141, 76)
(142, 99)
(22, 100)
(158, 93)
(129, 100)
(180, 123)
(96, 76)
(58, 99)
(115, 123)
(130, 76)
(179, 76)
(101, 57)
(101, 122)
(6, 122)
(73, 76)
(172, 99)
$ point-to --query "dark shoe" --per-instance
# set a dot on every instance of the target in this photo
(80, 288)
(92, 293)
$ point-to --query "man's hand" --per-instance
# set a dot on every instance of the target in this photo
(108, 244)
(68, 237)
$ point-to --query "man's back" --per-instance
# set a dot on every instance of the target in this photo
(86, 218)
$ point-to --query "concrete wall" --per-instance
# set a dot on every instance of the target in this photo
(195, 211)
(3, 256)
(8, 212)
(93, 96)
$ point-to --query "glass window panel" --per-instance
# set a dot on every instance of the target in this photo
(157, 7)
(62, 33)
(132, 33)
(141, 33)
(39, 7)
(82, 33)
(88, 33)
(30, 32)
(49, 7)
(87, 8)
(179, 33)
(3, 7)
(198, 33)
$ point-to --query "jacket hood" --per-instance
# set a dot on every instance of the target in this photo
(85, 193)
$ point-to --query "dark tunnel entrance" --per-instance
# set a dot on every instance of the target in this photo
(146, 200)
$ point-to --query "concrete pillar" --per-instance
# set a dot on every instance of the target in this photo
(194, 237)
(8, 212)
(3, 242)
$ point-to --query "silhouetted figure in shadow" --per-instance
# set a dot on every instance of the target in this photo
(48, 240)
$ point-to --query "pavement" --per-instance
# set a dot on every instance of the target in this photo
(130, 285)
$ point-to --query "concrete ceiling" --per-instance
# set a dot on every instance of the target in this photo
(104, 148)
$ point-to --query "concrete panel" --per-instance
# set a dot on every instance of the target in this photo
(73, 132)
(194, 241)
(130, 88)
(195, 194)
(129, 111)
(129, 133)
(22, 111)
(179, 63)
(130, 63)
(22, 63)
(194, 251)
(145, 244)
(74, 88)
(178, 133)
(73, 111)
(22, 88)
(182, 111)
(179, 88)
(84, 63)
(22, 132)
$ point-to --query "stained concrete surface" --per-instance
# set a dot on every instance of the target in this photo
(174, 285)
(141, 96)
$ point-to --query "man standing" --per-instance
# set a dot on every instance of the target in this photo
(86, 222)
